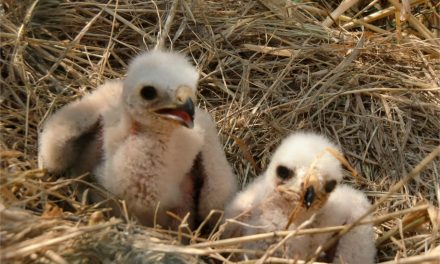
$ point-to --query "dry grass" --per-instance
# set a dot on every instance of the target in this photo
(265, 70)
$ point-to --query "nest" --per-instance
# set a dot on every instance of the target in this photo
(368, 78)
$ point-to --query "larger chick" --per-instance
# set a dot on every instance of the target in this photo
(145, 141)
(300, 182)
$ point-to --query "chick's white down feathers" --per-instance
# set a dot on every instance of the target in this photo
(296, 152)
(264, 207)
(136, 137)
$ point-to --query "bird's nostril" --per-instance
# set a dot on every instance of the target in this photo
(148, 92)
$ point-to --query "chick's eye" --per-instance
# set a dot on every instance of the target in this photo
(284, 173)
(148, 92)
(330, 186)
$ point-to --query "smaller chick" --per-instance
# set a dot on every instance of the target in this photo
(301, 184)
(289, 165)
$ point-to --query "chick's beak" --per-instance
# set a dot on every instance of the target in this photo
(188, 108)
(309, 196)
(181, 112)
(315, 194)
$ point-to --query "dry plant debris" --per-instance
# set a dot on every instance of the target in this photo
(368, 77)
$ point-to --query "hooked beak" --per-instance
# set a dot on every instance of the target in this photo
(182, 113)
(309, 196)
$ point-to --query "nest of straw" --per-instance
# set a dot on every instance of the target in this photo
(369, 78)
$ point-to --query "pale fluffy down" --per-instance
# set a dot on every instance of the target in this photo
(297, 151)
(140, 146)
(69, 140)
(344, 206)
(249, 197)
(243, 205)
(262, 207)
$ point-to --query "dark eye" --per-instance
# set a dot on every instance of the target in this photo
(284, 173)
(148, 92)
(330, 186)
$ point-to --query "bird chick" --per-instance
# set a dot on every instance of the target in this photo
(145, 141)
(299, 185)
(286, 173)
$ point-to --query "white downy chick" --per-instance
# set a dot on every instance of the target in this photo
(300, 182)
(289, 164)
(146, 142)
